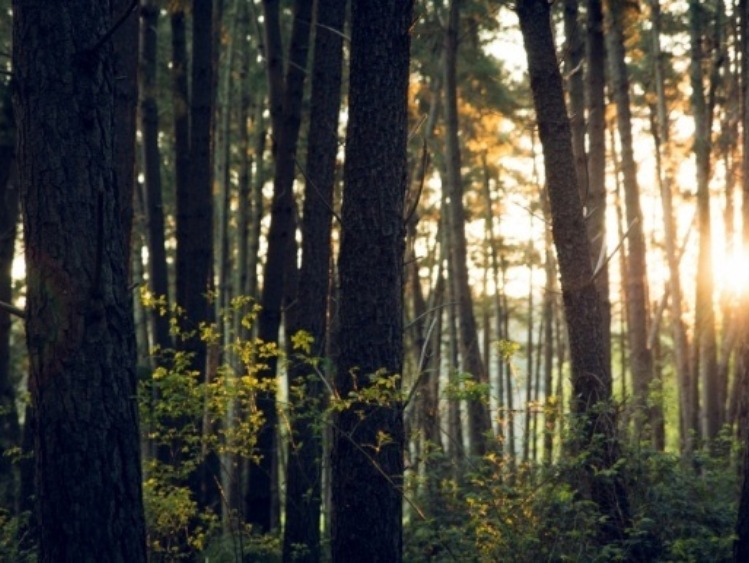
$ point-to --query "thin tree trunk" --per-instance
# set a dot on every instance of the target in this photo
(151, 158)
(646, 418)
(303, 479)
(591, 378)
(479, 424)
(595, 202)
(704, 312)
(286, 107)
(665, 179)
(10, 431)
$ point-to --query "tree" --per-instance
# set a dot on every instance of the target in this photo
(596, 436)
(149, 125)
(79, 325)
(10, 432)
(641, 357)
(309, 312)
(368, 439)
(479, 422)
(707, 369)
(665, 179)
(279, 273)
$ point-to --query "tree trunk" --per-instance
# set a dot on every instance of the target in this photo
(665, 180)
(154, 207)
(591, 379)
(741, 543)
(646, 418)
(286, 107)
(368, 439)
(704, 311)
(479, 422)
(79, 324)
(303, 479)
(10, 432)
(595, 202)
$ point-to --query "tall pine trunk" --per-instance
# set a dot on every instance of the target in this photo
(647, 418)
(479, 422)
(76, 169)
(309, 312)
(591, 378)
(367, 462)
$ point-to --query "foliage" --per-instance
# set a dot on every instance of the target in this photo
(15, 541)
(184, 420)
(537, 514)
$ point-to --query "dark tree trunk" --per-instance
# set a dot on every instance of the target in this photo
(180, 99)
(286, 111)
(648, 419)
(10, 432)
(151, 158)
(303, 479)
(705, 345)
(591, 379)
(741, 544)
(595, 202)
(368, 439)
(479, 422)
(665, 168)
(79, 322)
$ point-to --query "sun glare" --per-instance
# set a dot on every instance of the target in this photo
(732, 273)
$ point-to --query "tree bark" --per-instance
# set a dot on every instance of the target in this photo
(79, 324)
(595, 202)
(368, 439)
(479, 422)
(309, 314)
(704, 307)
(10, 431)
(278, 287)
(647, 418)
(151, 158)
(591, 379)
(665, 179)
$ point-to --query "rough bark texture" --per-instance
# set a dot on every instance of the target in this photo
(367, 462)
(309, 313)
(591, 379)
(595, 203)
(648, 420)
(286, 114)
(479, 422)
(79, 323)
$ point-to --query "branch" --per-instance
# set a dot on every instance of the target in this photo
(104, 38)
(12, 309)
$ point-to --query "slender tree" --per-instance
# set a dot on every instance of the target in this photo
(279, 274)
(479, 422)
(309, 312)
(10, 431)
(665, 179)
(704, 307)
(641, 357)
(367, 463)
(79, 325)
(151, 158)
(591, 378)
